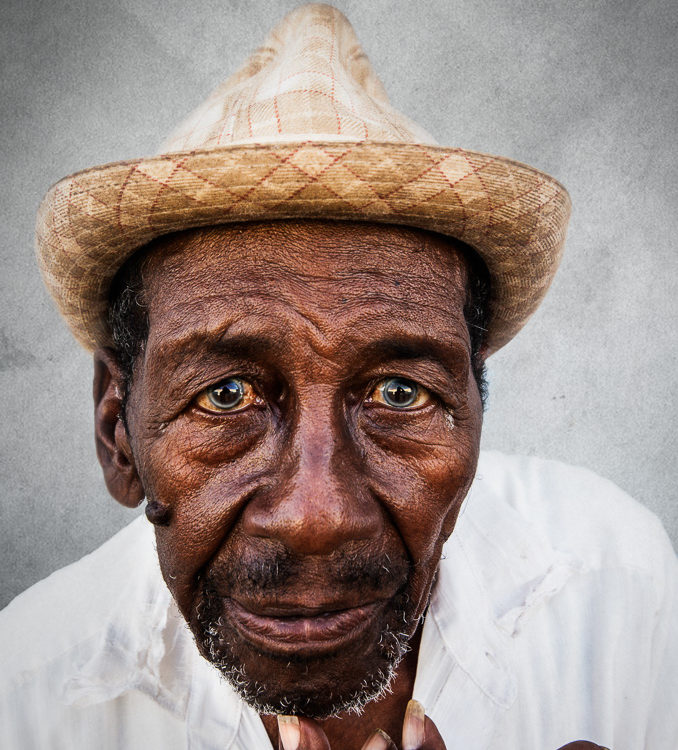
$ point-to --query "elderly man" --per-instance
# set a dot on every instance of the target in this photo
(289, 310)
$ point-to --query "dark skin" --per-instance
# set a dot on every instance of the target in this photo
(306, 397)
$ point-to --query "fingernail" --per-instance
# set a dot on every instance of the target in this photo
(378, 741)
(289, 731)
(413, 726)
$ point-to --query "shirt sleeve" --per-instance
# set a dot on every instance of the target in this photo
(662, 725)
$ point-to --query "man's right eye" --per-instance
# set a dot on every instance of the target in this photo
(228, 396)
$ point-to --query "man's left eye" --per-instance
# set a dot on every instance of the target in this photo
(230, 395)
(399, 393)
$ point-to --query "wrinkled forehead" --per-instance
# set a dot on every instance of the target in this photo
(309, 264)
(302, 291)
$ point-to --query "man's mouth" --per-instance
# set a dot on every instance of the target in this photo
(300, 631)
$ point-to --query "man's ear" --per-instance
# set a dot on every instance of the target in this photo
(112, 443)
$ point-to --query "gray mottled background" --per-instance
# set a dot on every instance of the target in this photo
(584, 90)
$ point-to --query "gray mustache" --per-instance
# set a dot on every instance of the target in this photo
(257, 572)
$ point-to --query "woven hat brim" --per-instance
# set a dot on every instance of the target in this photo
(513, 215)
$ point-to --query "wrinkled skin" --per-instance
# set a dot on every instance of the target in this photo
(273, 519)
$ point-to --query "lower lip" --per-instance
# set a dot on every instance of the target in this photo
(303, 635)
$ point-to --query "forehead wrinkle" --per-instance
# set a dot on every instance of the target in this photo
(376, 310)
(418, 280)
(326, 335)
(212, 333)
(328, 274)
(360, 290)
(395, 338)
(448, 348)
(266, 319)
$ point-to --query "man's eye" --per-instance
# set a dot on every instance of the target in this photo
(232, 394)
(399, 393)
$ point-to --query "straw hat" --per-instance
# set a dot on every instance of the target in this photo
(303, 129)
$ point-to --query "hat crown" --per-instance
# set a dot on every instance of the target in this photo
(309, 81)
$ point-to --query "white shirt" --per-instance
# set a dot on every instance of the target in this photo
(554, 618)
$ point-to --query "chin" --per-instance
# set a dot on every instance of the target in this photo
(319, 666)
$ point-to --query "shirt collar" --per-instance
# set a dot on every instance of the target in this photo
(145, 645)
(497, 568)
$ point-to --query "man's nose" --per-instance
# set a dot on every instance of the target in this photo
(319, 500)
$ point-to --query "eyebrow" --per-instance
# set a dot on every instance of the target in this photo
(449, 353)
(244, 346)
(197, 350)
(409, 347)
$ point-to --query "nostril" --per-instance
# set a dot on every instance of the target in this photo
(309, 518)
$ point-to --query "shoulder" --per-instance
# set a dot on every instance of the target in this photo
(574, 568)
(96, 654)
(73, 607)
(577, 512)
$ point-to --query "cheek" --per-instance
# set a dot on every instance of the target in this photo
(424, 498)
(204, 474)
(422, 478)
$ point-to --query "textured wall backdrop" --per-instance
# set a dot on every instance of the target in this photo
(583, 90)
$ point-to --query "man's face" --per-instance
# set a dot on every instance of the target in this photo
(306, 410)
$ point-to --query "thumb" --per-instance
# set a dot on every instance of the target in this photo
(419, 731)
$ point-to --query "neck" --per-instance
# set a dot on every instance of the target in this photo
(349, 731)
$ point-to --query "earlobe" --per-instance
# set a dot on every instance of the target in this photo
(112, 442)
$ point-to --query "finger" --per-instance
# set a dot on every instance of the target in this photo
(414, 726)
(297, 733)
(419, 731)
(379, 740)
(582, 745)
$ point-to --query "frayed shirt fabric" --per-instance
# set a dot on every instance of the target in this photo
(554, 617)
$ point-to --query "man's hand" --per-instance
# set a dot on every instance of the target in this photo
(419, 733)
